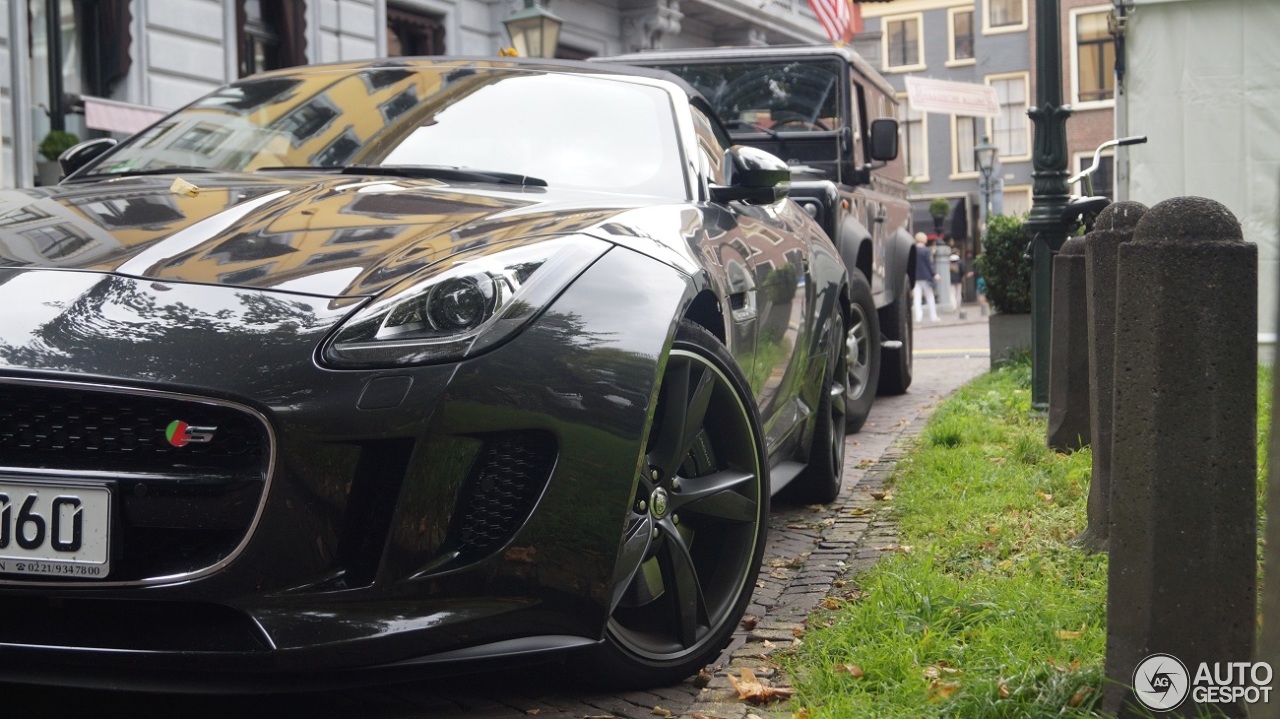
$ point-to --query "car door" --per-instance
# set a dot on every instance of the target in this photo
(767, 266)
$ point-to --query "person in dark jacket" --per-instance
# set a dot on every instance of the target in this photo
(926, 279)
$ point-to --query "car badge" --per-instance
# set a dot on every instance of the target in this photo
(180, 434)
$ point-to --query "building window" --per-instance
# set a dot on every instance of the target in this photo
(904, 49)
(965, 139)
(270, 34)
(412, 33)
(961, 35)
(1095, 57)
(915, 147)
(1004, 16)
(1009, 131)
(1103, 182)
(1016, 200)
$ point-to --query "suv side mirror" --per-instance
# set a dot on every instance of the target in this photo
(755, 176)
(884, 139)
(77, 156)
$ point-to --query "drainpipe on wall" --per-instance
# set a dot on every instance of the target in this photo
(1118, 23)
(24, 163)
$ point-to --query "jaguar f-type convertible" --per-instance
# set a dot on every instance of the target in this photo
(394, 365)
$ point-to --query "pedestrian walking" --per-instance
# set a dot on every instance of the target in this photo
(926, 280)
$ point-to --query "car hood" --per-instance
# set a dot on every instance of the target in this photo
(309, 233)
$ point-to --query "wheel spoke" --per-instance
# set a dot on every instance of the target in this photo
(635, 547)
(697, 411)
(717, 495)
(666, 454)
(681, 576)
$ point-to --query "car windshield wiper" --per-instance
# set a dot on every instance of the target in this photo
(445, 172)
(171, 170)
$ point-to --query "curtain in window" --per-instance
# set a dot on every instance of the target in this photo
(113, 21)
(289, 18)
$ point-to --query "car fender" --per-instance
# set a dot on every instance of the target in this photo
(900, 261)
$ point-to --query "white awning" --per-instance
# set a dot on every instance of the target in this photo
(952, 98)
(113, 116)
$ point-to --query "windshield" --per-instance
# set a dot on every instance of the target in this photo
(778, 96)
(570, 130)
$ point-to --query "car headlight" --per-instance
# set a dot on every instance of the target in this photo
(463, 306)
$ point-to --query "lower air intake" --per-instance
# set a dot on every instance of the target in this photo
(505, 482)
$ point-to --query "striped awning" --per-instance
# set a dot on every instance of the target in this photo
(114, 116)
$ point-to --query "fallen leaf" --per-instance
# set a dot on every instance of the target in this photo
(852, 670)
(750, 689)
(881, 496)
(1005, 564)
(749, 622)
(797, 632)
(1064, 634)
(859, 511)
(803, 713)
(931, 672)
(940, 690)
(1004, 690)
(182, 187)
(906, 548)
(660, 712)
(1044, 496)
(520, 554)
(1081, 694)
(829, 603)
(798, 526)
(697, 715)
(993, 529)
(702, 679)
(768, 645)
(532, 712)
(816, 508)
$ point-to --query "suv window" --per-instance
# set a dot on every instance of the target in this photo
(778, 96)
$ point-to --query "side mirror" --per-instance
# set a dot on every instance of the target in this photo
(884, 139)
(77, 156)
(755, 176)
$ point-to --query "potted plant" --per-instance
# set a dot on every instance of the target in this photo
(1008, 286)
(54, 144)
(939, 207)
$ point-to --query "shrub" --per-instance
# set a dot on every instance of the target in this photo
(56, 143)
(1001, 265)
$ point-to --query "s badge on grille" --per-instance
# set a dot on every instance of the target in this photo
(180, 434)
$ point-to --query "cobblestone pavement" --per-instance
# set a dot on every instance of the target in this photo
(810, 550)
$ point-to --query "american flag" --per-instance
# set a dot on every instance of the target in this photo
(835, 16)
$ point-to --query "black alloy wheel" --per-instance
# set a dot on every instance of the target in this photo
(694, 539)
(896, 367)
(862, 347)
(820, 481)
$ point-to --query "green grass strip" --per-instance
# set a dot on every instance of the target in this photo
(987, 609)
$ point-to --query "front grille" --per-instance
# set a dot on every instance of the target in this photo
(179, 509)
(505, 482)
(74, 428)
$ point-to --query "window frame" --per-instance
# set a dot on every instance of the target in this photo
(952, 60)
(1026, 104)
(1074, 36)
(956, 172)
(1084, 158)
(989, 29)
(921, 64)
(905, 106)
(1019, 189)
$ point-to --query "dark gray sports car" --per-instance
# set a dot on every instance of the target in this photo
(373, 366)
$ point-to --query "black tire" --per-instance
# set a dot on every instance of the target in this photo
(896, 324)
(820, 481)
(676, 601)
(862, 346)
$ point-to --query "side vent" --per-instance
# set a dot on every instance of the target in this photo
(505, 483)
(370, 507)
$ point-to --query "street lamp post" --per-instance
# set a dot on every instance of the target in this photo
(534, 30)
(985, 158)
(1050, 191)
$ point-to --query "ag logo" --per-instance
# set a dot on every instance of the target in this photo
(180, 434)
(1161, 682)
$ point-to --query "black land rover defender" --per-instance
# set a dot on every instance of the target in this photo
(826, 112)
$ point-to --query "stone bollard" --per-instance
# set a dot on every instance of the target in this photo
(1069, 351)
(1183, 530)
(942, 266)
(1115, 225)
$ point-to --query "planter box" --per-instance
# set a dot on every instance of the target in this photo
(1010, 335)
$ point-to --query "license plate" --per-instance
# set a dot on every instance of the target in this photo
(55, 529)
